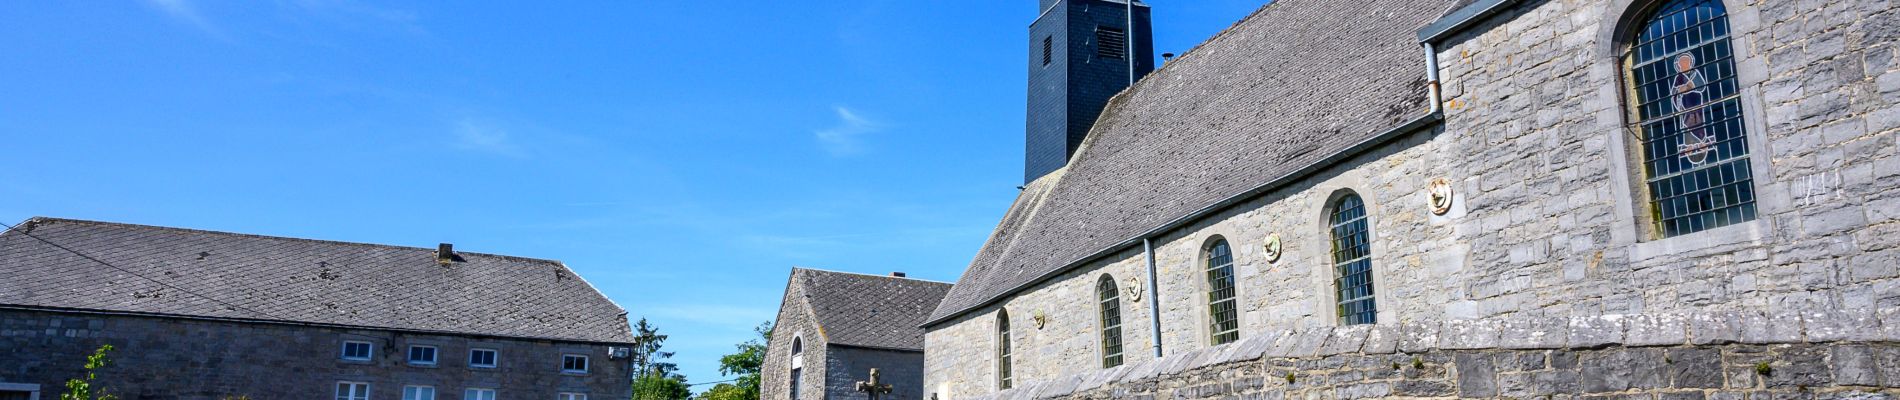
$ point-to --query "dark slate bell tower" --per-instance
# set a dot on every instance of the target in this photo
(1079, 56)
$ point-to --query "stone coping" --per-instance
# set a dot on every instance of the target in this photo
(1507, 333)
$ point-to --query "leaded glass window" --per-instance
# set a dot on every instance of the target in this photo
(1685, 102)
(1111, 321)
(1002, 350)
(1352, 262)
(1225, 316)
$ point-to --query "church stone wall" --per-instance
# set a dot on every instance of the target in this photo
(960, 356)
(1832, 355)
(1544, 222)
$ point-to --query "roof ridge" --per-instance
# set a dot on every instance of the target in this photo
(907, 278)
(38, 219)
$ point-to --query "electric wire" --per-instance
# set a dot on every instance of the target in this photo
(233, 306)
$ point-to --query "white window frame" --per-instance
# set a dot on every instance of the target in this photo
(435, 355)
(406, 390)
(493, 362)
(32, 389)
(571, 396)
(352, 395)
(344, 352)
(586, 363)
(475, 394)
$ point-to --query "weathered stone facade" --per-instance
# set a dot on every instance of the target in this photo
(795, 324)
(1853, 354)
(1545, 225)
(843, 325)
(178, 358)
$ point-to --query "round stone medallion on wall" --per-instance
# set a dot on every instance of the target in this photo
(1440, 196)
(1041, 318)
(1133, 288)
(1272, 248)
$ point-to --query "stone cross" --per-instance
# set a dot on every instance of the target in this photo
(872, 387)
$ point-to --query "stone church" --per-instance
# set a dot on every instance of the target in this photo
(196, 314)
(833, 328)
(1674, 199)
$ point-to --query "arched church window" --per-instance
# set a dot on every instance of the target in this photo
(1111, 300)
(1352, 261)
(1224, 321)
(1003, 380)
(1686, 113)
(798, 363)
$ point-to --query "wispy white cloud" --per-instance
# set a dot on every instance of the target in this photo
(474, 135)
(845, 138)
(187, 12)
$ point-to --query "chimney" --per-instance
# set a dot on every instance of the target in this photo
(897, 274)
(445, 253)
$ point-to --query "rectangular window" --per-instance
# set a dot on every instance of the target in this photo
(357, 350)
(572, 396)
(478, 394)
(574, 364)
(481, 358)
(795, 373)
(422, 355)
(352, 391)
(418, 393)
(1110, 42)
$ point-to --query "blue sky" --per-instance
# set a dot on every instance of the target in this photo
(680, 155)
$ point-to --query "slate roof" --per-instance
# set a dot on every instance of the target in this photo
(276, 279)
(1283, 89)
(869, 310)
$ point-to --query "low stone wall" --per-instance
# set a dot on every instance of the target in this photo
(1730, 355)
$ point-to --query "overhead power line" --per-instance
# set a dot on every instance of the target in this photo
(23, 232)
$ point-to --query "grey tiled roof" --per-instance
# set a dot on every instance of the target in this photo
(869, 310)
(1281, 90)
(249, 277)
(1457, 4)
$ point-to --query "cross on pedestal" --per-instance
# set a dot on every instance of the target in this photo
(872, 387)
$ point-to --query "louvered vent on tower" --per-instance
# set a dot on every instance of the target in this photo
(1048, 49)
(1110, 42)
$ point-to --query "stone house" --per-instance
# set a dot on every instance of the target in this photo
(196, 314)
(1463, 198)
(834, 327)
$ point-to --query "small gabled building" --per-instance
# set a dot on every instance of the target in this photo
(195, 314)
(834, 327)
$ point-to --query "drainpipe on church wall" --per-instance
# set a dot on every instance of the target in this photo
(1431, 78)
(1154, 296)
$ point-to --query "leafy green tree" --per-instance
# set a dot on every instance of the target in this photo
(656, 387)
(746, 364)
(81, 389)
(726, 391)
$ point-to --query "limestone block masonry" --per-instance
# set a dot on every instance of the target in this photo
(1545, 227)
(169, 358)
(1822, 355)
